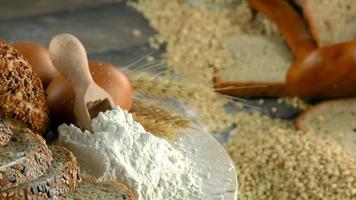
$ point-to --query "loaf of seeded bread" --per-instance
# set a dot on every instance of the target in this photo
(261, 63)
(5, 133)
(93, 189)
(332, 119)
(61, 178)
(24, 158)
(22, 98)
(330, 21)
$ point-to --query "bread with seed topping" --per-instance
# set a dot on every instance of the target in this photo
(62, 177)
(22, 97)
(24, 158)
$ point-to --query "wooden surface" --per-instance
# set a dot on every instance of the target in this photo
(105, 28)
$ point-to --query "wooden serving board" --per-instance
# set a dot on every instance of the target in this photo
(213, 162)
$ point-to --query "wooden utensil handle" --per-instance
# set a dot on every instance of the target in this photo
(70, 59)
(289, 23)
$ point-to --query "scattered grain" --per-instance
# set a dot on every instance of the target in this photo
(274, 109)
(273, 161)
(136, 33)
(294, 102)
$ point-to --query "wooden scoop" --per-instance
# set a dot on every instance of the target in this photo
(327, 72)
(70, 59)
(316, 73)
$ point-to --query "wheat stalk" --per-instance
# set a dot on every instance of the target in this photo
(208, 106)
(156, 119)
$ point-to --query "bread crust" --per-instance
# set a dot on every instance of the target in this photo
(30, 166)
(21, 92)
(66, 179)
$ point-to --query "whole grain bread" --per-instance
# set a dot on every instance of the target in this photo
(24, 158)
(332, 119)
(21, 93)
(93, 189)
(261, 63)
(330, 22)
(62, 177)
(5, 133)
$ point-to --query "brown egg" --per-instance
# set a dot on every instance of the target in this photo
(60, 94)
(38, 56)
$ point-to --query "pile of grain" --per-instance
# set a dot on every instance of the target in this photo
(192, 35)
(277, 162)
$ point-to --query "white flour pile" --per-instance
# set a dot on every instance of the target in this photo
(122, 150)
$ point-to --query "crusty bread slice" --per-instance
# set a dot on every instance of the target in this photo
(93, 189)
(332, 119)
(261, 63)
(330, 21)
(21, 93)
(61, 178)
(24, 158)
(5, 133)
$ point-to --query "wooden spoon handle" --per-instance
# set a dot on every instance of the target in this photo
(70, 59)
(289, 23)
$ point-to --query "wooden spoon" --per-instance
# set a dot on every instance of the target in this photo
(289, 23)
(327, 72)
(70, 59)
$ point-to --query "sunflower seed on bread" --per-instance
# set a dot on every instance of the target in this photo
(61, 178)
(24, 158)
(93, 189)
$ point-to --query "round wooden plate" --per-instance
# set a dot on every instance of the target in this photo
(213, 162)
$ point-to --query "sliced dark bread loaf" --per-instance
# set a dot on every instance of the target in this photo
(330, 21)
(261, 63)
(93, 189)
(24, 158)
(332, 119)
(61, 178)
(5, 133)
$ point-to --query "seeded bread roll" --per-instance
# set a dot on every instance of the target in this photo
(330, 21)
(261, 63)
(332, 119)
(22, 97)
(93, 189)
(5, 133)
(24, 158)
(61, 178)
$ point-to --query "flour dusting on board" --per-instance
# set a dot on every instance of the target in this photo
(151, 166)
